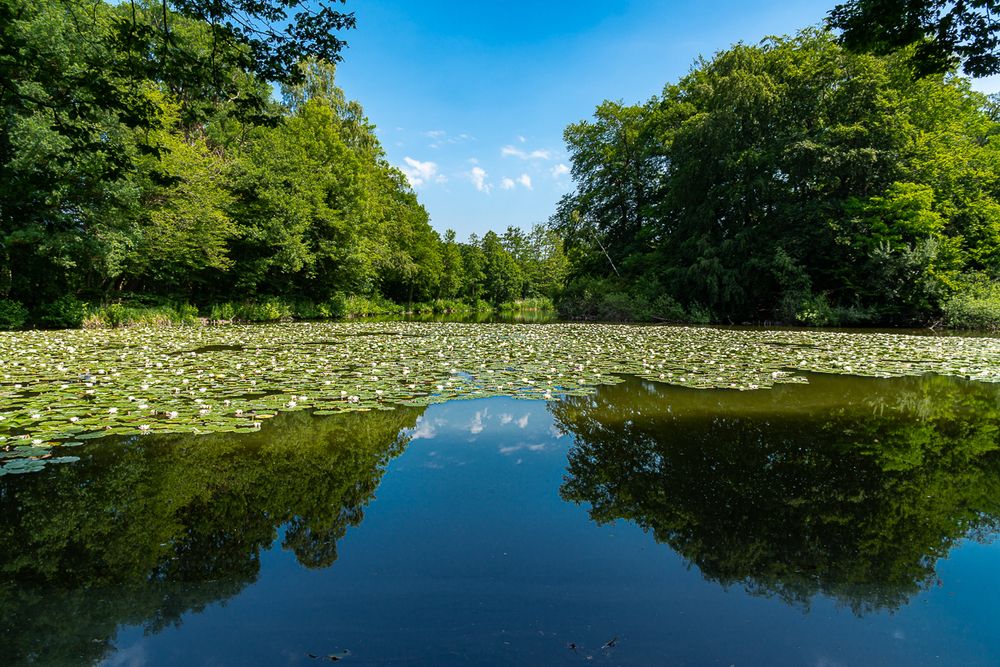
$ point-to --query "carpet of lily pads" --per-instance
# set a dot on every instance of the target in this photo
(59, 389)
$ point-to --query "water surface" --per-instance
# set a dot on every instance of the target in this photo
(847, 521)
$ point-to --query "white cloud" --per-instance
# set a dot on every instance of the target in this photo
(508, 183)
(506, 418)
(511, 151)
(521, 139)
(418, 172)
(560, 170)
(476, 426)
(478, 177)
(522, 422)
(424, 429)
(440, 138)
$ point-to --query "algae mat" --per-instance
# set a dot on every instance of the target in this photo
(58, 389)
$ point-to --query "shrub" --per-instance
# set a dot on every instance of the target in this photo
(115, 315)
(269, 310)
(222, 312)
(336, 307)
(12, 314)
(66, 312)
(975, 307)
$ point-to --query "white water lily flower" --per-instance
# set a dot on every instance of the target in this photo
(172, 414)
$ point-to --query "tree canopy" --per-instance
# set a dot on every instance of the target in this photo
(146, 157)
(791, 180)
(943, 33)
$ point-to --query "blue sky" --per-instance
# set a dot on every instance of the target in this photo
(471, 98)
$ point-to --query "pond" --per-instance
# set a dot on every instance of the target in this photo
(831, 519)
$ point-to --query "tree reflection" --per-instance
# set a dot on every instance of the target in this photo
(143, 530)
(851, 488)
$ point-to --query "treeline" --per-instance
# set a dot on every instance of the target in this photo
(146, 168)
(789, 181)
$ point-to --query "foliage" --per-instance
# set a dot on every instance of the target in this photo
(143, 153)
(12, 314)
(944, 32)
(791, 180)
(116, 315)
(977, 307)
(66, 312)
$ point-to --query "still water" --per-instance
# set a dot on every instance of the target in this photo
(844, 522)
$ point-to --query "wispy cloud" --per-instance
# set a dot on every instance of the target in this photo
(513, 151)
(419, 173)
(424, 430)
(477, 424)
(508, 183)
(440, 138)
(478, 176)
(560, 170)
(512, 449)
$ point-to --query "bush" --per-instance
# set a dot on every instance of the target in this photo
(66, 312)
(269, 310)
(336, 307)
(360, 306)
(116, 315)
(222, 312)
(975, 307)
(12, 314)
(614, 300)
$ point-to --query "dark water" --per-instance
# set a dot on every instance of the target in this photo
(845, 522)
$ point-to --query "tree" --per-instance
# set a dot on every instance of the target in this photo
(945, 33)
(452, 268)
(791, 180)
(501, 270)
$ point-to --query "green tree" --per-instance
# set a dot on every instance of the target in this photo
(944, 32)
(502, 273)
(789, 180)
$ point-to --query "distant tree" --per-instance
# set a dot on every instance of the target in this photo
(452, 269)
(502, 272)
(944, 32)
